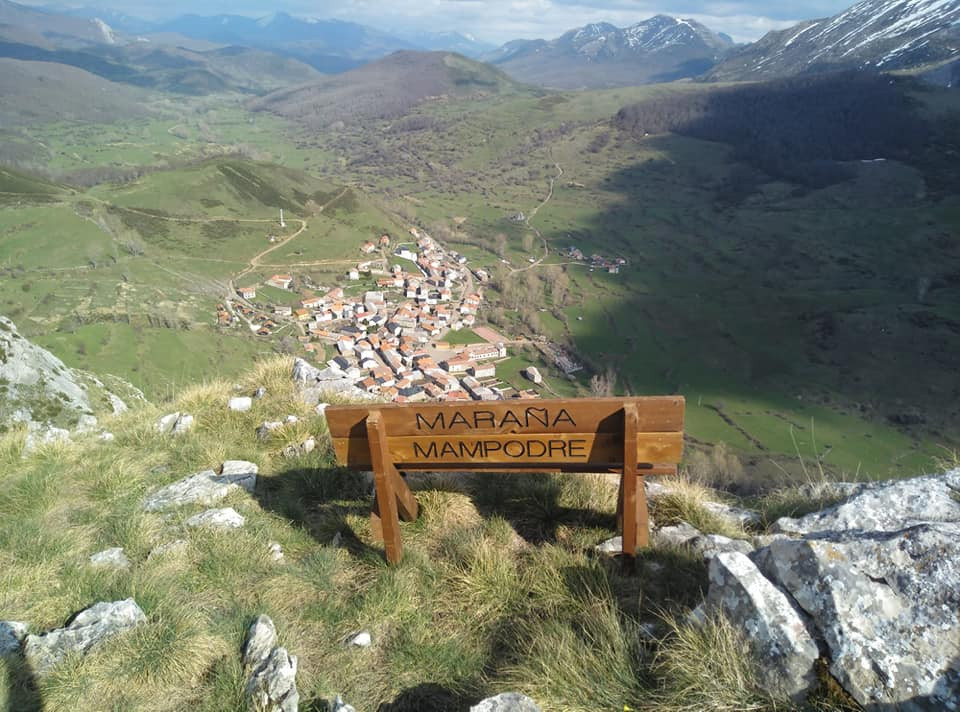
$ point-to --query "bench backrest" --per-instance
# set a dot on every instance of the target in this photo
(554, 435)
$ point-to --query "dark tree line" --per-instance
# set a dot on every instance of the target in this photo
(795, 129)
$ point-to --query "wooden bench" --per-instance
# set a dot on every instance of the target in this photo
(632, 436)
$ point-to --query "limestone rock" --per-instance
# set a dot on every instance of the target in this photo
(175, 423)
(90, 628)
(184, 423)
(675, 535)
(227, 518)
(45, 435)
(506, 702)
(117, 404)
(340, 706)
(361, 640)
(304, 448)
(238, 468)
(113, 558)
(304, 373)
(267, 427)
(106, 437)
(610, 546)
(291, 419)
(261, 392)
(709, 545)
(205, 487)
(272, 685)
(166, 422)
(776, 633)
(276, 551)
(87, 423)
(261, 640)
(887, 605)
(321, 408)
(735, 515)
(12, 634)
(240, 404)
(891, 506)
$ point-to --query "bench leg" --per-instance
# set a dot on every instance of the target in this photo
(385, 505)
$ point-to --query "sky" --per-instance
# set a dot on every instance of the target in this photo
(498, 21)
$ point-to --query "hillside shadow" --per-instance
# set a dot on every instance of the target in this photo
(533, 505)
(428, 697)
(319, 499)
(23, 690)
(756, 273)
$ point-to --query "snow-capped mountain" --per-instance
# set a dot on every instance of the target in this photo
(878, 34)
(659, 49)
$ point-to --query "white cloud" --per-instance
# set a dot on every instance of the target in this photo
(502, 20)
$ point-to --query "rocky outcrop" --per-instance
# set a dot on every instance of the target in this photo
(772, 626)
(876, 578)
(227, 518)
(38, 389)
(12, 634)
(506, 702)
(316, 384)
(205, 487)
(272, 685)
(90, 628)
(175, 423)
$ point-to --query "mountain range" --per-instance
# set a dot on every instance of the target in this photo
(876, 34)
(659, 49)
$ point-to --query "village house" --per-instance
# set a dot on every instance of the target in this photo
(247, 292)
(280, 281)
(302, 314)
(353, 275)
(484, 370)
(367, 247)
(482, 352)
(334, 294)
(457, 395)
(312, 303)
(283, 310)
(458, 364)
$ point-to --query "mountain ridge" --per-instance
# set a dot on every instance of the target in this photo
(872, 34)
(661, 48)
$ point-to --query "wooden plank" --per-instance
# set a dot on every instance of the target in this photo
(560, 416)
(552, 451)
(386, 496)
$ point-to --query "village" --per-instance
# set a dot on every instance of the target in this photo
(390, 340)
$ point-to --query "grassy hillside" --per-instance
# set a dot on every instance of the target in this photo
(42, 92)
(126, 279)
(499, 588)
(387, 88)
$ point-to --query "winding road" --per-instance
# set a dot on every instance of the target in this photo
(532, 215)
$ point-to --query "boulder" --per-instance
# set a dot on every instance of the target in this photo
(506, 702)
(205, 487)
(267, 427)
(610, 546)
(887, 604)
(291, 419)
(304, 448)
(45, 435)
(261, 392)
(106, 437)
(272, 685)
(183, 424)
(241, 468)
(175, 423)
(90, 628)
(304, 373)
(775, 631)
(87, 423)
(240, 404)
(276, 551)
(227, 518)
(12, 634)
(709, 545)
(734, 515)
(886, 507)
(361, 640)
(675, 535)
(110, 559)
